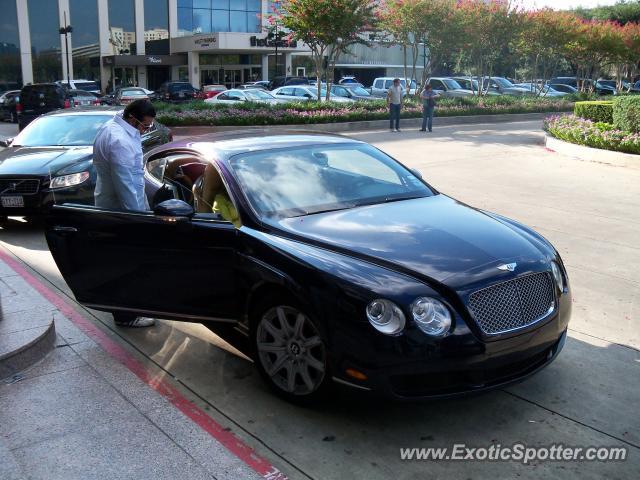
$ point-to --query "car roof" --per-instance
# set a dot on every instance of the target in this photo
(87, 110)
(230, 143)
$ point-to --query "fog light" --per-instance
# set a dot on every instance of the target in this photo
(557, 276)
(385, 316)
(353, 373)
(431, 316)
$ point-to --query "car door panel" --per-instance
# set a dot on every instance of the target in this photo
(147, 263)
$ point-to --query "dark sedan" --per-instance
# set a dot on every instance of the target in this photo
(345, 267)
(51, 160)
(352, 91)
(9, 105)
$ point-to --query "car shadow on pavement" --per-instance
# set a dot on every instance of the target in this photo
(24, 232)
(582, 398)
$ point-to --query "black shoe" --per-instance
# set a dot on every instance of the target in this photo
(423, 129)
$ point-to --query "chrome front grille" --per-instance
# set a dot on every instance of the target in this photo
(19, 186)
(513, 304)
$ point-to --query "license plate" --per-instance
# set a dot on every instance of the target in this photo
(181, 94)
(15, 201)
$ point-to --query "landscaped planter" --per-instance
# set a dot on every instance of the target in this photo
(592, 154)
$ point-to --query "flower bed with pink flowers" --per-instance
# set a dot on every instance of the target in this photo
(573, 129)
(200, 113)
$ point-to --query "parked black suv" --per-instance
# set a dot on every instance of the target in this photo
(38, 99)
(284, 81)
(177, 92)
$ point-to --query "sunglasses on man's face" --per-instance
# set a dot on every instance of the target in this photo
(144, 126)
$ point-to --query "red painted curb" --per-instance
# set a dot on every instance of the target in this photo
(191, 410)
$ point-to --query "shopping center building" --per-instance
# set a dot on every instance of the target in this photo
(148, 42)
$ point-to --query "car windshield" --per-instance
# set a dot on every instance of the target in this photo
(86, 85)
(503, 82)
(258, 95)
(180, 87)
(359, 91)
(312, 179)
(134, 92)
(608, 83)
(61, 130)
(403, 82)
(451, 84)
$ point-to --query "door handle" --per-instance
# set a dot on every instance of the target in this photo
(61, 229)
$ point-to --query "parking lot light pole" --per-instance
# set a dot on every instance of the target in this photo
(66, 30)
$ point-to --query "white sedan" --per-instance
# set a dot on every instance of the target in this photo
(303, 93)
(234, 96)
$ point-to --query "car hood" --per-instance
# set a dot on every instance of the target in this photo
(435, 237)
(40, 160)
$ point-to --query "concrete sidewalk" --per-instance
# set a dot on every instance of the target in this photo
(80, 413)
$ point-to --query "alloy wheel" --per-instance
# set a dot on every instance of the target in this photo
(291, 351)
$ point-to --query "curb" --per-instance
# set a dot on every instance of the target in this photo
(341, 127)
(590, 154)
(31, 351)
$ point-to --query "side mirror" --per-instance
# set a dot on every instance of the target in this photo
(6, 142)
(173, 208)
(416, 172)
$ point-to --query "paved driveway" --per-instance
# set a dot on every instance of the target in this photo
(588, 396)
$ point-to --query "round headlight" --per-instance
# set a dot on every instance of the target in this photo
(557, 276)
(431, 316)
(385, 316)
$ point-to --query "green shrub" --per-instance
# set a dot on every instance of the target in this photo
(626, 113)
(598, 111)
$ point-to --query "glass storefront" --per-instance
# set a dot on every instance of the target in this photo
(229, 70)
(156, 27)
(45, 40)
(122, 27)
(83, 17)
(206, 16)
(10, 69)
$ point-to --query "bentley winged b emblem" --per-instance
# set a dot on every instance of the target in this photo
(508, 266)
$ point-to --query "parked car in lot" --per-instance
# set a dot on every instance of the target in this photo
(8, 105)
(86, 85)
(471, 84)
(263, 84)
(348, 267)
(81, 98)
(504, 86)
(278, 82)
(51, 160)
(126, 95)
(354, 91)
(598, 87)
(40, 98)
(178, 92)
(302, 93)
(635, 88)
(626, 86)
(235, 96)
(541, 90)
(211, 91)
(382, 85)
(348, 79)
(560, 87)
(447, 87)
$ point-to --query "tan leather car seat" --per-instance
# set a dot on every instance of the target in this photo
(206, 188)
(171, 172)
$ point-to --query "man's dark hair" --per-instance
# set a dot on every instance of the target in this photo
(428, 86)
(139, 109)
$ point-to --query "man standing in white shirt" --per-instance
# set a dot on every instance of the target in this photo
(394, 100)
(117, 157)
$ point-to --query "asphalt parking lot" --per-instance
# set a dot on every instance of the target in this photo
(588, 397)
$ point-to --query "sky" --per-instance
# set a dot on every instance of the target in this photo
(562, 4)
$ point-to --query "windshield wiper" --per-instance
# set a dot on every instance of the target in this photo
(326, 210)
(387, 200)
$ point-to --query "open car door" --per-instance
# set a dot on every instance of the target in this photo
(166, 266)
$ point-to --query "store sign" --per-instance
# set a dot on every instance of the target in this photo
(205, 42)
(264, 42)
(154, 60)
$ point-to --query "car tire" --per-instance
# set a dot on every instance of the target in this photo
(290, 351)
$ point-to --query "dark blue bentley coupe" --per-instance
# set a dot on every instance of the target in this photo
(336, 262)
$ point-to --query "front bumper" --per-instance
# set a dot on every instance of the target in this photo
(404, 368)
(40, 203)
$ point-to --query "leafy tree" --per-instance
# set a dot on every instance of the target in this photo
(622, 12)
(327, 27)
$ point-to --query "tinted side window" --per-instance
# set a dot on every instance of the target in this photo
(387, 84)
(378, 84)
(437, 85)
